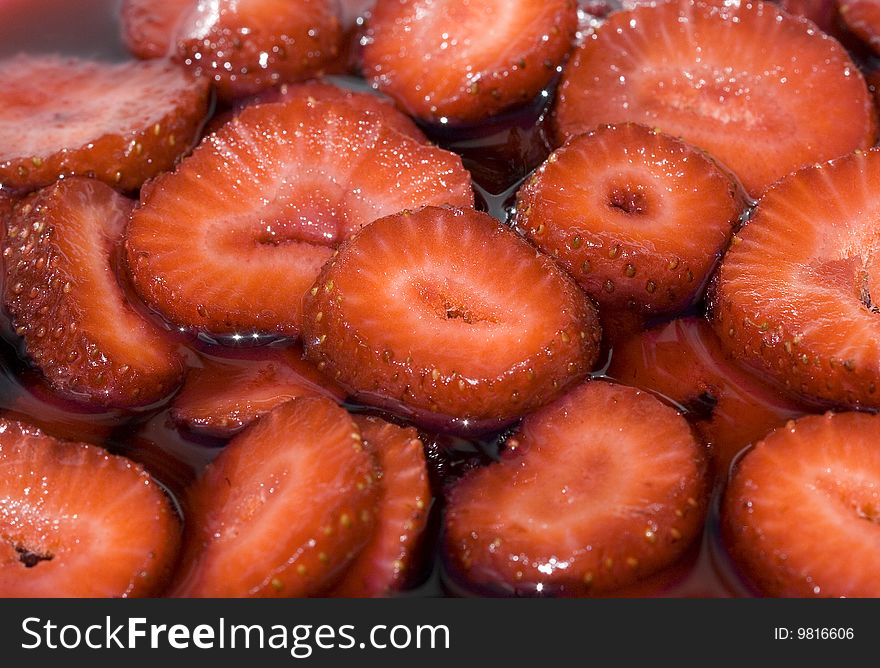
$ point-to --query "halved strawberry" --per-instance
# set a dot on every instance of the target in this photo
(795, 293)
(762, 91)
(596, 491)
(448, 316)
(801, 515)
(638, 218)
(384, 565)
(263, 203)
(465, 60)
(243, 46)
(76, 521)
(121, 123)
(283, 510)
(325, 91)
(63, 294)
(683, 360)
(862, 18)
(227, 393)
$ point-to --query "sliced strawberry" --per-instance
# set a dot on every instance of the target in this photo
(327, 92)
(862, 18)
(795, 295)
(760, 90)
(801, 515)
(596, 491)
(684, 361)
(264, 201)
(824, 13)
(285, 508)
(446, 315)
(385, 564)
(65, 300)
(76, 521)
(638, 218)
(227, 393)
(121, 123)
(466, 60)
(243, 46)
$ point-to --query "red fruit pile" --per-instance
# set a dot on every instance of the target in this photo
(271, 334)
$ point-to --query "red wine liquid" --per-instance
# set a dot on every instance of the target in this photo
(500, 155)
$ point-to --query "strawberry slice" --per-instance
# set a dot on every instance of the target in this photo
(449, 317)
(595, 492)
(800, 516)
(463, 60)
(76, 521)
(283, 510)
(824, 13)
(638, 218)
(66, 302)
(762, 91)
(385, 564)
(795, 293)
(227, 393)
(684, 361)
(263, 203)
(862, 18)
(121, 123)
(243, 46)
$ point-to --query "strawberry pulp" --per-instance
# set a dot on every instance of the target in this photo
(500, 154)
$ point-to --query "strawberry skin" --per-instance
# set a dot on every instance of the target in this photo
(385, 564)
(263, 208)
(149, 27)
(120, 123)
(226, 394)
(283, 510)
(465, 60)
(638, 218)
(762, 91)
(801, 517)
(445, 312)
(77, 521)
(65, 301)
(795, 294)
(594, 492)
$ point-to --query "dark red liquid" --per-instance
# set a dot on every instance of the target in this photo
(500, 156)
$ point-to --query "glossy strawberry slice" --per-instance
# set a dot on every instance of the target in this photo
(684, 361)
(762, 91)
(801, 513)
(385, 564)
(795, 295)
(243, 46)
(285, 508)
(596, 491)
(466, 60)
(638, 218)
(227, 393)
(121, 123)
(64, 296)
(76, 521)
(263, 203)
(448, 316)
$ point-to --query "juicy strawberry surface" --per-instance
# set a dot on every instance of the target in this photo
(76, 521)
(465, 60)
(121, 123)
(65, 301)
(242, 46)
(228, 392)
(801, 513)
(794, 297)
(446, 312)
(762, 91)
(862, 18)
(263, 208)
(385, 564)
(684, 361)
(594, 492)
(638, 218)
(305, 461)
